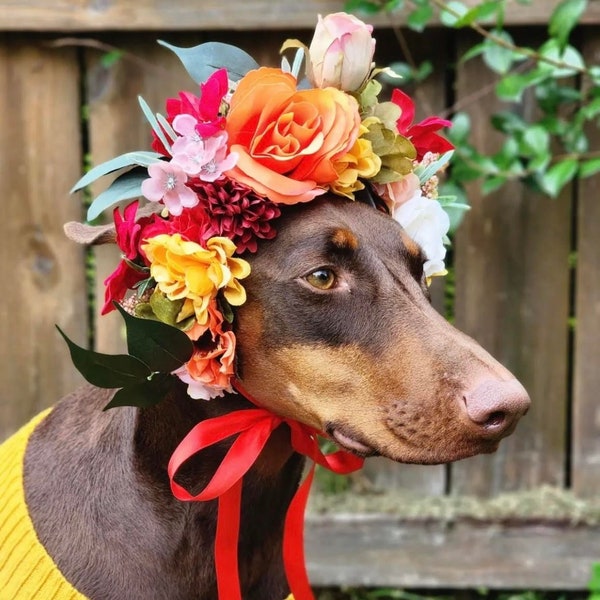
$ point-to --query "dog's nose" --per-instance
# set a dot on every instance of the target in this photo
(496, 405)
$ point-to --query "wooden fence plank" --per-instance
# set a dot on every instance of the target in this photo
(355, 550)
(512, 295)
(42, 272)
(586, 410)
(120, 15)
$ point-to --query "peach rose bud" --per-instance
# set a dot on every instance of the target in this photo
(341, 52)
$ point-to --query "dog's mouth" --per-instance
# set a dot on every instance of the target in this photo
(349, 441)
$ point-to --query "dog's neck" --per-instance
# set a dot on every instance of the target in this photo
(159, 429)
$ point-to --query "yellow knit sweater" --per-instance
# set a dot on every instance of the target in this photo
(27, 572)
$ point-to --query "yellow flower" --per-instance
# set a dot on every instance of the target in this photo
(186, 270)
(359, 161)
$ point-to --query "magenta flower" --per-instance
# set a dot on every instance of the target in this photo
(167, 184)
(422, 135)
(205, 108)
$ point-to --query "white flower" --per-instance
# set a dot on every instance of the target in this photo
(427, 223)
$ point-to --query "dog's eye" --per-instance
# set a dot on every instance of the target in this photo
(322, 279)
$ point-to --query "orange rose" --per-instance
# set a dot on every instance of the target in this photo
(287, 140)
(214, 367)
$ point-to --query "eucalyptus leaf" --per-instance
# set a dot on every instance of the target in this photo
(124, 187)
(162, 347)
(142, 159)
(106, 370)
(143, 394)
(151, 118)
(426, 173)
(202, 61)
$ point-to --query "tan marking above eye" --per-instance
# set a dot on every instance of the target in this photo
(322, 279)
(344, 239)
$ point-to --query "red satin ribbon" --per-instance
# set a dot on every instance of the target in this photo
(253, 428)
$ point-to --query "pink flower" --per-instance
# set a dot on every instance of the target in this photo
(398, 192)
(167, 183)
(341, 52)
(206, 159)
(422, 135)
(205, 108)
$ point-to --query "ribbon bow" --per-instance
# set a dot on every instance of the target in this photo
(253, 428)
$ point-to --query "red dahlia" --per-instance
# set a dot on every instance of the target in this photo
(236, 212)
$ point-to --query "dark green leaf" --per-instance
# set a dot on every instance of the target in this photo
(142, 159)
(144, 394)
(565, 18)
(124, 187)
(203, 60)
(558, 176)
(474, 51)
(162, 347)
(106, 370)
(507, 122)
(536, 140)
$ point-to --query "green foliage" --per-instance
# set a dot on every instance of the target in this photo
(594, 584)
(155, 350)
(549, 148)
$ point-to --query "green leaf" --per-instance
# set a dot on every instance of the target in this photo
(461, 127)
(558, 176)
(507, 122)
(124, 187)
(420, 17)
(482, 11)
(202, 61)
(491, 184)
(588, 168)
(106, 370)
(143, 394)
(536, 140)
(568, 55)
(448, 14)
(160, 346)
(512, 86)
(142, 159)
(497, 57)
(564, 18)
(474, 51)
(455, 202)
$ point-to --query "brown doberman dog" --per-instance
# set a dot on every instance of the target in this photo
(337, 333)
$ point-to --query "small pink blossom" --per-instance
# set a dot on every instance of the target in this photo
(206, 159)
(167, 184)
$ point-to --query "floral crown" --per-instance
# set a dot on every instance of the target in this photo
(224, 164)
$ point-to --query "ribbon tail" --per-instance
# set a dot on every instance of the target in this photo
(293, 542)
(226, 543)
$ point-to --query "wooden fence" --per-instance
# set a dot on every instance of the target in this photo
(527, 272)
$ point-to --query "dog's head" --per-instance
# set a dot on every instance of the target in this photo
(338, 333)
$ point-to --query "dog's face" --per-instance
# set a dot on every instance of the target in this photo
(338, 333)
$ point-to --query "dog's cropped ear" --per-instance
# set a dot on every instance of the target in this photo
(95, 235)
(90, 235)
